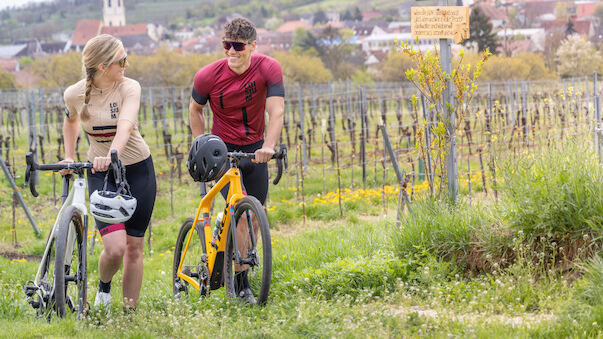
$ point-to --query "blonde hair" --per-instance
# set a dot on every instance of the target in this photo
(103, 49)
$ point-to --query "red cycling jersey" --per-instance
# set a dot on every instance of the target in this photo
(238, 102)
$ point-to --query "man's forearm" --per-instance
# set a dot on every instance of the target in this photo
(196, 119)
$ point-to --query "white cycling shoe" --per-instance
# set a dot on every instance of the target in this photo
(103, 301)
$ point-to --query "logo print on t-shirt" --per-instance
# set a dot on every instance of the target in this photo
(114, 110)
(250, 89)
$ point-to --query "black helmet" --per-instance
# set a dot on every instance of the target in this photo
(207, 159)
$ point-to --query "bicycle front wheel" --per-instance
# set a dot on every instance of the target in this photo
(254, 251)
(70, 264)
(192, 265)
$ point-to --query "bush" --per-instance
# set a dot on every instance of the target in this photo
(557, 195)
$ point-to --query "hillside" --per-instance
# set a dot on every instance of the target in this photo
(41, 21)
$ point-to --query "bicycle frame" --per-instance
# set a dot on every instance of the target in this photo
(77, 198)
(215, 253)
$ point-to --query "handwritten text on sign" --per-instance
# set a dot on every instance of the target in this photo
(447, 22)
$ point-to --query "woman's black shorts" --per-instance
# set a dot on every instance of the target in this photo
(141, 178)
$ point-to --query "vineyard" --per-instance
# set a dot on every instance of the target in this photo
(359, 249)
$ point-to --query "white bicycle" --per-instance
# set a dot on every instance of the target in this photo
(60, 283)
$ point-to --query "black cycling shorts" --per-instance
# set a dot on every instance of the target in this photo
(143, 185)
(255, 176)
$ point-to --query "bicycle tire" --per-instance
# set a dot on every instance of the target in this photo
(46, 282)
(259, 276)
(71, 220)
(194, 252)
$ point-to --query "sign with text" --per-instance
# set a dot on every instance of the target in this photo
(445, 22)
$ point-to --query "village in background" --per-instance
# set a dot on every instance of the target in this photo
(352, 44)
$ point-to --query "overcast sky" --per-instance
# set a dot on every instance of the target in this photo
(17, 3)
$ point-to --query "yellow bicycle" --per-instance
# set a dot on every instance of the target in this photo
(210, 260)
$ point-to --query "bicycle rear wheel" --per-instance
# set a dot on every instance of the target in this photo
(255, 250)
(193, 265)
(70, 264)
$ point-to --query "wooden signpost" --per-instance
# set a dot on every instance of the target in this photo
(445, 22)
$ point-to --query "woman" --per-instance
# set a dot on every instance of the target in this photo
(106, 103)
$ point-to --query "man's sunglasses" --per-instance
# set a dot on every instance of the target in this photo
(122, 62)
(238, 46)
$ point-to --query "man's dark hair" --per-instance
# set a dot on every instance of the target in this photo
(240, 29)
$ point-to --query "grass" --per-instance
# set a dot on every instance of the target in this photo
(468, 270)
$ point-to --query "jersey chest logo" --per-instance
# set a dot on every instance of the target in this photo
(114, 109)
(250, 89)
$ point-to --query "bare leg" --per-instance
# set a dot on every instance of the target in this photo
(132, 277)
(114, 244)
(243, 240)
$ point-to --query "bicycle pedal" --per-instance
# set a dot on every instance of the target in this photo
(35, 304)
(30, 290)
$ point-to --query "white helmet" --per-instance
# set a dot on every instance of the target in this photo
(111, 207)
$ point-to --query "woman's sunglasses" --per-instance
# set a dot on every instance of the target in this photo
(238, 46)
(122, 62)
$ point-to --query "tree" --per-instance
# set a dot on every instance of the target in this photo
(481, 33)
(166, 68)
(331, 45)
(320, 17)
(59, 70)
(302, 68)
(7, 79)
(569, 28)
(357, 15)
(395, 66)
(346, 15)
(577, 57)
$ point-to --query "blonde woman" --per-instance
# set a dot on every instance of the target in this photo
(106, 103)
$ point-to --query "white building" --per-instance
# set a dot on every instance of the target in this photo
(114, 13)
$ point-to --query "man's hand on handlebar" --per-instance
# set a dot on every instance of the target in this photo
(66, 161)
(263, 154)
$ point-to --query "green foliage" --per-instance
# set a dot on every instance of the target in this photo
(577, 57)
(166, 68)
(528, 66)
(361, 76)
(395, 66)
(558, 197)
(58, 70)
(480, 31)
(320, 17)
(432, 82)
(7, 79)
(302, 68)
(440, 229)
(331, 45)
(25, 61)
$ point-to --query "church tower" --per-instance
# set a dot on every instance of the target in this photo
(114, 13)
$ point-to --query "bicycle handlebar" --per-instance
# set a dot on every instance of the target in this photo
(280, 156)
(33, 166)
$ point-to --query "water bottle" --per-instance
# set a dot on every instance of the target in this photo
(217, 227)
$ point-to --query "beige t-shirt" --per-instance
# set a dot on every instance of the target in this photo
(106, 108)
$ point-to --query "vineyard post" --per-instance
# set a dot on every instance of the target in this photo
(489, 140)
(524, 113)
(331, 116)
(363, 135)
(429, 169)
(399, 173)
(173, 104)
(597, 118)
(17, 194)
(302, 128)
(451, 165)
(323, 130)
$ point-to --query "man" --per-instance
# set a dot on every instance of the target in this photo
(240, 89)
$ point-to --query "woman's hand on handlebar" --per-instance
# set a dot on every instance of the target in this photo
(66, 161)
(264, 154)
(101, 164)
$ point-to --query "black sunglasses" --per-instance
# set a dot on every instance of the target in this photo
(238, 46)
